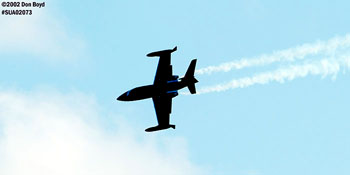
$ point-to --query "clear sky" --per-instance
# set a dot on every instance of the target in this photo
(62, 68)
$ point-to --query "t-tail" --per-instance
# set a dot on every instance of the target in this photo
(189, 77)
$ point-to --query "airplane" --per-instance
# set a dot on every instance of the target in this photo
(164, 88)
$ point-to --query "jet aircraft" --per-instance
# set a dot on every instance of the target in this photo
(164, 88)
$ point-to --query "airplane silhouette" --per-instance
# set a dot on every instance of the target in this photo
(163, 89)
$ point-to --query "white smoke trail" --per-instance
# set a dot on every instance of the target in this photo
(322, 67)
(324, 48)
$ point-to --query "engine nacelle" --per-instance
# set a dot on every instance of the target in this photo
(175, 77)
(172, 93)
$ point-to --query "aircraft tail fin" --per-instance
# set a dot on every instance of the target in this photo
(189, 77)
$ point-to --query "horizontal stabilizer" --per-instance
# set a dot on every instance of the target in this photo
(192, 88)
(191, 68)
(189, 77)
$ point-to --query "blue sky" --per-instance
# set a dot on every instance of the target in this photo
(98, 50)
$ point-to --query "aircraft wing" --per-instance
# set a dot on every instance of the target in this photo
(162, 105)
(164, 70)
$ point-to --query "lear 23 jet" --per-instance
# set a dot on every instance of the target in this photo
(163, 89)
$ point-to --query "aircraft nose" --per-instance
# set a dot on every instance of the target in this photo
(122, 97)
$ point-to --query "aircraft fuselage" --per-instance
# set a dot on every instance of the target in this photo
(149, 91)
(164, 88)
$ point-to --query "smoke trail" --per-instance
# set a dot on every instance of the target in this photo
(322, 67)
(324, 48)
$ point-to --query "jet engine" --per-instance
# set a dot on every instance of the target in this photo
(172, 94)
(174, 77)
